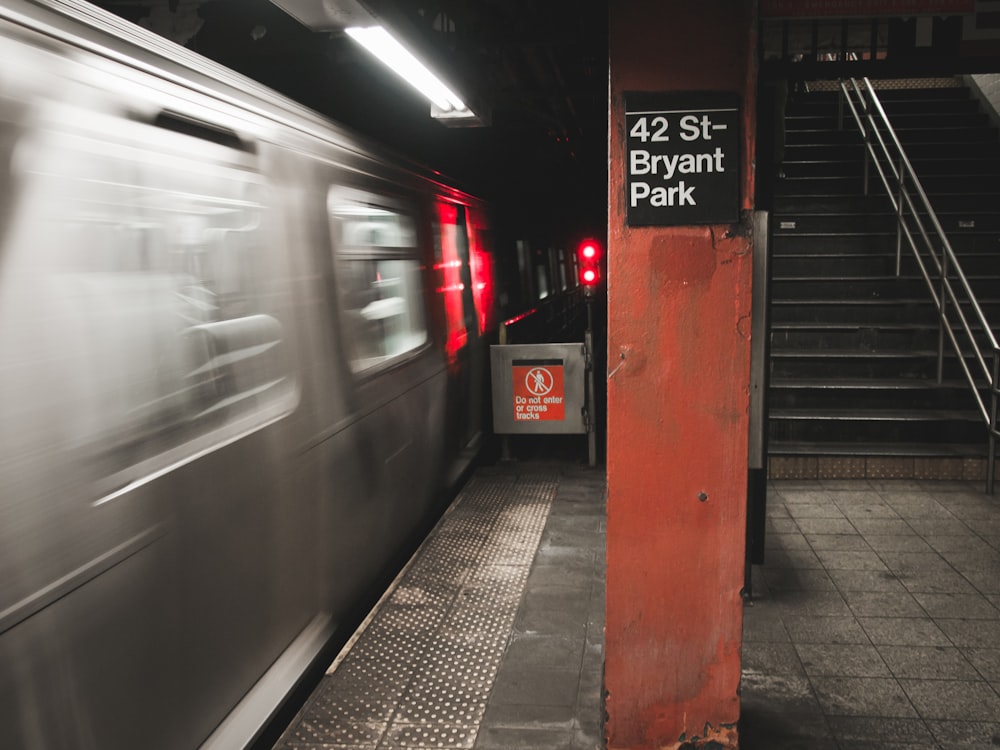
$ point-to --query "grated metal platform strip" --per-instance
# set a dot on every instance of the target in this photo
(419, 672)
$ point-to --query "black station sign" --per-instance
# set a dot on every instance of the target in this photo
(682, 158)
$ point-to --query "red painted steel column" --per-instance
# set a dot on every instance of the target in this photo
(678, 397)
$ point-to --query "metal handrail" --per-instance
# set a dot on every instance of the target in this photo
(948, 285)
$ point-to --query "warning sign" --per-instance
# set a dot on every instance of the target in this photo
(538, 389)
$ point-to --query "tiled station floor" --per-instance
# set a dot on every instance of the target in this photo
(874, 623)
(492, 637)
(875, 620)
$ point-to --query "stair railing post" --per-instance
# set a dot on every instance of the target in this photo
(943, 315)
(899, 218)
(867, 135)
(991, 448)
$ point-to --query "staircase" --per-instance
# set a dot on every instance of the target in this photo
(853, 388)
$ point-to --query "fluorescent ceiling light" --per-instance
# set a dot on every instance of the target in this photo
(386, 48)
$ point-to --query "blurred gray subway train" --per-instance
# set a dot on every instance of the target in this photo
(241, 357)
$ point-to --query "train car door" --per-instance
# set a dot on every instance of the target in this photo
(389, 454)
(465, 356)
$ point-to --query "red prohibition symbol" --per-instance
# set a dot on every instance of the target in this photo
(538, 381)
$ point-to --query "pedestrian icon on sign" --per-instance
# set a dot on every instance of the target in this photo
(538, 381)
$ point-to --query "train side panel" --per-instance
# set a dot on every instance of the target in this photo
(226, 397)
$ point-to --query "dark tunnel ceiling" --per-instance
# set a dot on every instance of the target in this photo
(540, 68)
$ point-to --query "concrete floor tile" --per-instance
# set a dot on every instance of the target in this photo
(957, 606)
(835, 630)
(928, 662)
(776, 509)
(898, 485)
(852, 542)
(984, 581)
(545, 687)
(550, 650)
(978, 735)
(897, 543)
(866, 580)
(939, 526)
(862, 696)
(790, 579)
(986, 661)
(850, 731)
(972, 633)
(799, 559)
(882, 526)
(785, 542)
(781, 713)
(969, 508)
(825, 526)
(587, 740)
(822, 509)
(819, 603)
(936, 582)
(571, 576)
(504, 738)
(867, 510)
(576, 538)
(771, 658)
(903, 631)
(957, 700)
(955, 543)
(808, 493)
(919, 507)
(852, 660)
(850, 560)
(838, 487)
(782, 525)
(914, 562)
(883, 604)
(763, 625)
(559, 718)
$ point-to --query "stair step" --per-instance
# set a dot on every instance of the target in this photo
(796, 243)
(849, 288)
(986, 165)
(872, 448)
(824, 393)
(881, 425)
(829, 264)
(790, 337)
(853, 347)
(980, 134)
(915, 151)
(968, 204)
(826, 120)
(876, 415)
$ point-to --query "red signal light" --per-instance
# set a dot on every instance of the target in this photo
(588, 254)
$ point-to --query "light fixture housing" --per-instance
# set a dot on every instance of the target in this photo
(359, 20)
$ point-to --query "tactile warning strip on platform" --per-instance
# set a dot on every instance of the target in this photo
(420, 672)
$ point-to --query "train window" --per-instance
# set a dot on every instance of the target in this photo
(136, 313)
(378, 277)
(542, 280)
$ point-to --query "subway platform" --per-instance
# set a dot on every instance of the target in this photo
(491, 637)
(875, 620)
(874, 623)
